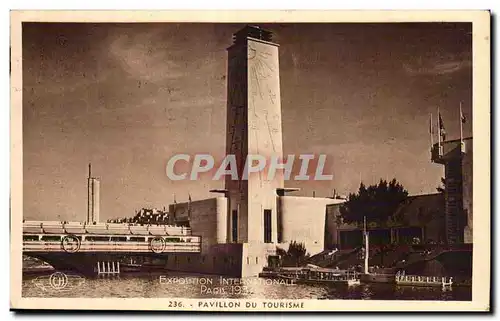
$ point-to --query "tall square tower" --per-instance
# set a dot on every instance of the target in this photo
(253, 128)
(93, 191)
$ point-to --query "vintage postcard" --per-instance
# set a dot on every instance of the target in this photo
(250, 161)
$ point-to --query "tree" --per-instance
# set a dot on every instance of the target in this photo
(377, 202)
(295, 256)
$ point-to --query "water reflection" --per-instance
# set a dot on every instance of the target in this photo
(189, 286)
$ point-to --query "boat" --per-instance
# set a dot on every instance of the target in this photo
(419, 280)
(316, 276)
(353, 282)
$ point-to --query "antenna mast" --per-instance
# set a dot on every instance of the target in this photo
(367, 249)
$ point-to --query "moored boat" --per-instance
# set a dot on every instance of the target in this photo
(314, 275)
(419, 280)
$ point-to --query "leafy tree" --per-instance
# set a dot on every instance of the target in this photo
(377, 202)
(295, 256)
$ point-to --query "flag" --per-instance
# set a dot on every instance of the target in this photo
(441, 127)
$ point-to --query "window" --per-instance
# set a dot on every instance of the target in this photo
(235, 225)
(267, 226)
(51, 238)
(97, 238)
(30, 237)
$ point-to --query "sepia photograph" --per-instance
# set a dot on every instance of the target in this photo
(252, 165)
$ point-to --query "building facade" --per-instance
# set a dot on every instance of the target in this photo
(242, 229)
(300, 219)
(418, 219)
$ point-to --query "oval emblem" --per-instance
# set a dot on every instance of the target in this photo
(71, 244)
(58, 282)
(157, 245)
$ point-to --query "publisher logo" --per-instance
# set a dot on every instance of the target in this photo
(58, 282)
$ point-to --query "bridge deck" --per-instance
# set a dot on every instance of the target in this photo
(72, 237)
(122, 247)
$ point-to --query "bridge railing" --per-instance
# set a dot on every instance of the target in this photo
(103, 246)
(52, 227)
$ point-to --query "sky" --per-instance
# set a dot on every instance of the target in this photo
(127, 97)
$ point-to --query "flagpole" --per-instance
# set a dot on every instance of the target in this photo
(431, 132)
(174, 209)
(367, 249)
(461, 121)
(439, 131)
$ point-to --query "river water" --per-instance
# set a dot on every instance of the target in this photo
(177, 285)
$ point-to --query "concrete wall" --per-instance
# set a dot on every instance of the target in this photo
(303, 219)
(207, 218)
(236, 260)
(219, 259)
(237, 137)
(331, 230)
(264, 134)
(254, 257)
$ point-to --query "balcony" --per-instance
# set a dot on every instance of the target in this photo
(450, 149)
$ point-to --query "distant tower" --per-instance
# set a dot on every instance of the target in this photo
(92, 198)
(253, 127)
(456, 156)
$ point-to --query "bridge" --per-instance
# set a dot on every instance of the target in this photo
(103, 248)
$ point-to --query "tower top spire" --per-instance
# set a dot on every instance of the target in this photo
(255, 32)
